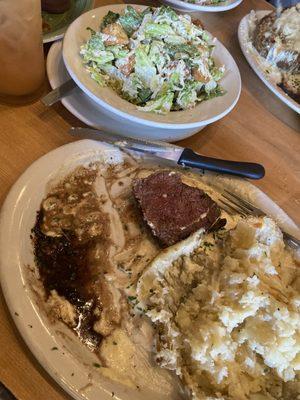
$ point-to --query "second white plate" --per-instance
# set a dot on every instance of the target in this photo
(66, 359)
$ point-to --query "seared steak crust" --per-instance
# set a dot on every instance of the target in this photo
(172, 209)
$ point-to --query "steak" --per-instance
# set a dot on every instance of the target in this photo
(172, 209)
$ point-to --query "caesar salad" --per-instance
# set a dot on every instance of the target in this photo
(156, 59)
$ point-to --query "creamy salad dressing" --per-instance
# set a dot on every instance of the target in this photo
(156, 59)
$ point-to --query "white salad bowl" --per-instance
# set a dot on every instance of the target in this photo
(173, 126)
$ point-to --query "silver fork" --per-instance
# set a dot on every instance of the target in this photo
(234, 203)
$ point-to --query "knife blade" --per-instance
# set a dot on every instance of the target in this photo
(181, 156)
(60, 92)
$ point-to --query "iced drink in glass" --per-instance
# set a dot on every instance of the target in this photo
(22, 67)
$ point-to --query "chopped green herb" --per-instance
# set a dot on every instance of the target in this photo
(96, 365)
(131, 298)
(109, 18)
(91, 30)
(207, 244)
(54, 348)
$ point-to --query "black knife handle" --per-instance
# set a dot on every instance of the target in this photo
(6, 394)
(191, 159)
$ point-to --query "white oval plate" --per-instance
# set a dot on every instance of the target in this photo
(189, 7)
(258, 64)
(111, 103)
(71, 365)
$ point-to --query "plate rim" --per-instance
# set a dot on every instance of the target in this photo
(144, 121)
(183, 6)
(255, 65)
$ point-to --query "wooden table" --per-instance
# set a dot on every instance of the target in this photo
(259, 129)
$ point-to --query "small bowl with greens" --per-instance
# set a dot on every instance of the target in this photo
(151, 66)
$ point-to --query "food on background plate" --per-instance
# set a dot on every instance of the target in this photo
(156, 59)
(208, 302)
(277, 40)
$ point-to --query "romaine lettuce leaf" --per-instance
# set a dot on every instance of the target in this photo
(157, 31)
(98, 56)
(99, 77)
(177, 50)
(158, 55)
(131, 20)
(165, 14)
(95, 42)
(160, 105)
(188, 96)
(217, 73)
(148, 10)
(144, 67)
(144, 94)
(118, 51)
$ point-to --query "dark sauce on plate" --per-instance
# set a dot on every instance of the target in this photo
(64, 267)
(67, 228)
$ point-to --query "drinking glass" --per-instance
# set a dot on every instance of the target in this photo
(22, 68)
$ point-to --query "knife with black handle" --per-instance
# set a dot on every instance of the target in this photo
(191, 159)
(179, 155)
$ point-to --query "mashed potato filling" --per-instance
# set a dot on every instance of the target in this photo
(226, 306)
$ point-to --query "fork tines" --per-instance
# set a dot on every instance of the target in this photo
(239, 205)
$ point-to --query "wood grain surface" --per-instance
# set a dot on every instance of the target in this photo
(259, 129)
